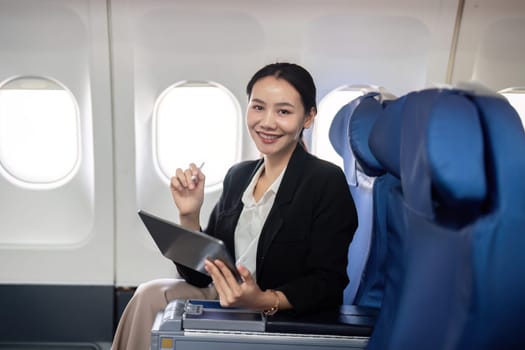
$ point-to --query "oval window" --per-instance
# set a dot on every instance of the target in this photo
(328, 108)
(39, 132)
(197, 122)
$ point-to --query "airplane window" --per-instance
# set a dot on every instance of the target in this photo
(327, 109)
(39, 132)
(197, 122)
(516, 97)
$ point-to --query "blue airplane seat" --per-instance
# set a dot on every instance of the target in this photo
(349, 136)
(456, 225)
(385, 237)
(497, 308)
(384, 141)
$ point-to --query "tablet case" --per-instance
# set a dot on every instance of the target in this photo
(184, 246)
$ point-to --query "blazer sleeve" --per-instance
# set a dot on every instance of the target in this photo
(193, 277)
(333, 223)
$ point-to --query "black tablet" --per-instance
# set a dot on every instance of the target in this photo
(186, 247)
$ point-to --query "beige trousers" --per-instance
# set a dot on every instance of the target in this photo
(134, 329)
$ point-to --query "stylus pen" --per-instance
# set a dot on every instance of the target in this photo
(194, 177)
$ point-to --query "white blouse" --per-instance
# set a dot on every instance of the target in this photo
(251, 221)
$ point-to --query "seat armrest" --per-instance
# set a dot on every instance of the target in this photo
(348, 320)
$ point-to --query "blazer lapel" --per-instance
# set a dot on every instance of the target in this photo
(284, 196)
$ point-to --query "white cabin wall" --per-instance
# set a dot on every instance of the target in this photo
(491, 49)
(62, 235)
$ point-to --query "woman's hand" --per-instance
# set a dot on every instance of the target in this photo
(187, 190)
(231, 293)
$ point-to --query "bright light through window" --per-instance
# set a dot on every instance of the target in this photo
(516, 98)
(39, 132)
(197, 122)
(328, 108)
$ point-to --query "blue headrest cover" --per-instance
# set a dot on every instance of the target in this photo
(384, 139)
(363, 119)
(455, 151)
(338, 133)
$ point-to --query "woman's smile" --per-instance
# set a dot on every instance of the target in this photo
(268, 138)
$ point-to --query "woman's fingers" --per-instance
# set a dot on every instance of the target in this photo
(186, 179)
(229, 292)
(218, 282)
(228, 275)
(179, 180)
(245, 274)
(194, 171)
(212, 271)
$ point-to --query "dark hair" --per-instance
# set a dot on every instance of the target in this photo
(294, 74)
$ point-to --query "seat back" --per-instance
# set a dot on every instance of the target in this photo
(384, 141)
(497, 308)
(349, 136)
(453, 274)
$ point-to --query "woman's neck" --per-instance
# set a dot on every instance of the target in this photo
(272, 169)
(274, 165)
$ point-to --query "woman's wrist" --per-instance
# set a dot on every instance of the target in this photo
(190, 221)
(274, 305)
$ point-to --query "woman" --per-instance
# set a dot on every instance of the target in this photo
(287, 218)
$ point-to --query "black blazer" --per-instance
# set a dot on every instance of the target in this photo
(303, 245)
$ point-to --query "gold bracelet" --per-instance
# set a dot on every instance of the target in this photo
(275, 307)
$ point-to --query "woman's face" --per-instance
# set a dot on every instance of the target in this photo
(276, 117)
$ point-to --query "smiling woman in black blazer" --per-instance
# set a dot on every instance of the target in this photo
(304, 242)
(288, 218)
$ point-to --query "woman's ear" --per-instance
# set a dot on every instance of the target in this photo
(309, 118)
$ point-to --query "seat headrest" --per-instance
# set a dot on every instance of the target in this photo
(504, 138)
(361, 123)
(454, 142)
(385, 137)
(455, 151)
(338, 135)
